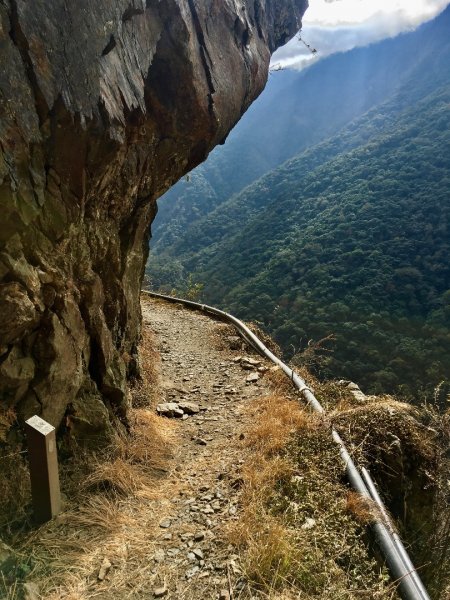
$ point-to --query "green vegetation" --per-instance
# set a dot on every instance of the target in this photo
(350, 238)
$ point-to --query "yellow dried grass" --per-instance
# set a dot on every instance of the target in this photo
(142, 454)
(110, 517)
(108, 512)
(277, 418)
(265, 541)
(146, 390)
(363, 509)
(293, 473)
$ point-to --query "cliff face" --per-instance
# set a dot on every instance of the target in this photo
(103, 106)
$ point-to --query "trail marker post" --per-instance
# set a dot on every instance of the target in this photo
(43, 469)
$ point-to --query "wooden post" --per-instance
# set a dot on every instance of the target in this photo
(43, 469)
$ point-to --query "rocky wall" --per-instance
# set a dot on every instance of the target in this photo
(103, 106)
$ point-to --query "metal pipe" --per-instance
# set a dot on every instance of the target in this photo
(406, 577)
(370, 484)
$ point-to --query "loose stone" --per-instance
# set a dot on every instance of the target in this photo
(169, 409)
(190, 408)
(165, 523)
(200, 441)
(252, 378)
(104, 569)
(31, 591)
(191, 572)
(198, 553)
(309, 523)
(159, 592)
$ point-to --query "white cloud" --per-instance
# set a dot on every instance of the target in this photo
(347, 12)
(333, 26)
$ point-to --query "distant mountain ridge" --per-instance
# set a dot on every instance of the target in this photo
(351, 237)
(296, 111)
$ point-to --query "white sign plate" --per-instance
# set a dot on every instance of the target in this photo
(41, 425)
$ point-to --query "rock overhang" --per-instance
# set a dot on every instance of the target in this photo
(103, 106)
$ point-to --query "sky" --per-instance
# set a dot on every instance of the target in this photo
(331, 26)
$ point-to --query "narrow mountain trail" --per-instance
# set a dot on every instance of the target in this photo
(152, 514)
(222, 488)
(193, 558)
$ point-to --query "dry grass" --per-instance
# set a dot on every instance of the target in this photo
(266, 339)
(119, 477)
(146, 390)
(281, 385)
(406, 449)
(14, 478)
(109, 515)
(277, 419)
(361, 508)
(376, 428)
(108, 507)
(7, 418)
(221, 340)
(134, 458)
(9, 591)
(108, 502)
(435, 511)
(300, 533)
(15, 491)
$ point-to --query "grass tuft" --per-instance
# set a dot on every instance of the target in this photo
(361, 508)
(276, 420)
(107, 508)
(146, 389)
(15, 489)
(103, 515)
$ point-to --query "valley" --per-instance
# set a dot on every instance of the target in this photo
(348, 241)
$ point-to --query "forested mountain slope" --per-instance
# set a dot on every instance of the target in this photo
(296, 111)
(350, 238)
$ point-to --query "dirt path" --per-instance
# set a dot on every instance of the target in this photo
(147, 516)
(150, 515)
(193, 558)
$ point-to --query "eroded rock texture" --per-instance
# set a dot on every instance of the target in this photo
(103, 106)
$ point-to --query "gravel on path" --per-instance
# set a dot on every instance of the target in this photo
(209, 383)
